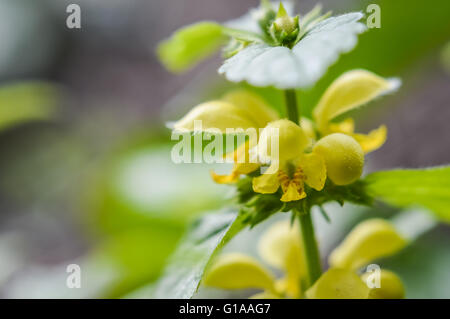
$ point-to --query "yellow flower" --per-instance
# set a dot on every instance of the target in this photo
(346, 93)
(370, 240)
(238, 109)
(344, 157)
(296, 160)
(280, 247)
(290, 168)
(242, 109)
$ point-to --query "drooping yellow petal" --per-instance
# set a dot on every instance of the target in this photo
(338, 284)
(314, 170)
(391, 286)
(231, 178)
(260, 111)
(344, 157)
(215, 115)
(243, 164)
(238, 271)
(293, 192)
(266, 183)
(372, 141)
(370, 240)
(281, 248)
(351, 90)
(238, 170)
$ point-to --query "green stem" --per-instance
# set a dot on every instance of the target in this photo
(310, 248)
(307, 228)
(291, 106)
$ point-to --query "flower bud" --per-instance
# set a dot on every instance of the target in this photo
(344, 157)
(285, 29)
(283, 137)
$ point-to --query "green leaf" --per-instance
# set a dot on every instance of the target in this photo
(263, 65)
(25, 102)
(429, 188)
(184, 272)
(190, 45)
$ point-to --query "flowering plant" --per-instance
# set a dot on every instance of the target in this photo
(293, 163)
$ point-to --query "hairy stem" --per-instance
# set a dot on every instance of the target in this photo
(307, 228)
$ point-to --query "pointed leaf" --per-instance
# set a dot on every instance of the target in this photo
(429, 188)
(264, 65)
(190, 45)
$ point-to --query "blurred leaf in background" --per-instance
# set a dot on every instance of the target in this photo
(27, 101)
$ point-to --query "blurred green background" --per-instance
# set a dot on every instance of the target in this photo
(85, 169)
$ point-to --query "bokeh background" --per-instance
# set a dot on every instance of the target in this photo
(85, 169)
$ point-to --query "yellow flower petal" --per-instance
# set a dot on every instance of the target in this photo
(283, 136)
(344, 157)
(338, 284)
(243, 165)
(308, 127)
(238, 271)
(215, 115)
(289, 287)
(347, 127)
(233, 177)
(238, 170)
(275, 243)
(254, 105)
(391, 286)
(372, 141)
(314, 170)
(370, 240)
(266, 183)
(293, 193)
(349, 91)
(281, 248)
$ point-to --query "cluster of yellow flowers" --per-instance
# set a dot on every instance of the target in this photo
(281, 248)
(309, 152)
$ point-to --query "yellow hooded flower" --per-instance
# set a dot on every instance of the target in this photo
(290, 167)
(280, 248)
(370, 240)
(344, 157)
(239, 110)
(242, 109)
(346, 93)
